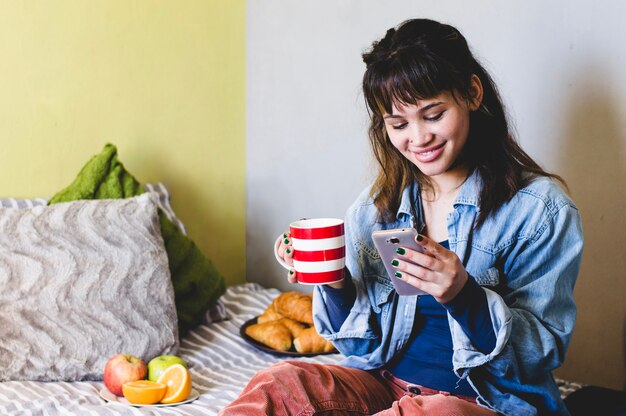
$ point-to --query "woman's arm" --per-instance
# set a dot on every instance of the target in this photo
(356, 334)
(339, 300)
(534, 320)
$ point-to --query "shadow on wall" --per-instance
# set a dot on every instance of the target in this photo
(262, 267)
(593, 164)
(205, 224)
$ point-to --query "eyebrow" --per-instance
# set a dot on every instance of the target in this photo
(422, 109)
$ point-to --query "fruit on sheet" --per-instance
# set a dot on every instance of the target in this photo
(178, 381)
(157, 365)
(122, 368)
(144, 391)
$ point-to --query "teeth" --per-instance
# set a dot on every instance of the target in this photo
(426, 153)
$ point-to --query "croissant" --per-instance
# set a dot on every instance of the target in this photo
(273, 334)
(294, 327)
(269, 314)
(309, 341)
(295, 305)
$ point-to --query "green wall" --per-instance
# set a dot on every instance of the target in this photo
(163, 80)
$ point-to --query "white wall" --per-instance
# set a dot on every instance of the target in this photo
(561, 68)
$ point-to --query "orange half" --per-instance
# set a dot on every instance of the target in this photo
(143, 391)
(178, 382)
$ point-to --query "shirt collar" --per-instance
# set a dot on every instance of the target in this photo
(470, 190)
(468, 194)
(405, 202)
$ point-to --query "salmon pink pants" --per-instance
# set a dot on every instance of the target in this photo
(304, 389)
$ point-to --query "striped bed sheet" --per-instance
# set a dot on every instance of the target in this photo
(220, 362)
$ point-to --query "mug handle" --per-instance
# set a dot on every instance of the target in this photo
(278, 258)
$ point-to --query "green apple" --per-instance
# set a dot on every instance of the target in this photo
(158, 364)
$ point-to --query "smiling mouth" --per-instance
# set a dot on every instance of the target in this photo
(429, 154)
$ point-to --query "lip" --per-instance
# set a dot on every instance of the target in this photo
(430, 154)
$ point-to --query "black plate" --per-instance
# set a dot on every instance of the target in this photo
(256, 344)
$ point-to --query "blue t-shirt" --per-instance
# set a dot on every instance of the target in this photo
(427, 358)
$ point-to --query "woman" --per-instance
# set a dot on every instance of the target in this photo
(502, 244)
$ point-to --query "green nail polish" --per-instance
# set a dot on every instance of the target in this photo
(398, 274)
(291, 272)
(395, 263)
(284, 235)
(419, 237)
(286, 241)
(288, 251)
(400, 250)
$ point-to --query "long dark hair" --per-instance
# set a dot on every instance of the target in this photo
(418, 60)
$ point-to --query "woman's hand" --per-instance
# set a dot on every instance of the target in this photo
(285, 251)
(437, 271)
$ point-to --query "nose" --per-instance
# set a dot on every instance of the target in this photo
(419, 135)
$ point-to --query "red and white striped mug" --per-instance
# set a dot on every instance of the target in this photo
(319, 250)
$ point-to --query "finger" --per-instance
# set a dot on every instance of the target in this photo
(416, 270)
(416, 282)
(285, 242)
(425, 260)
(288, 256)
(413, 280)
(291, 277)
(431, 247)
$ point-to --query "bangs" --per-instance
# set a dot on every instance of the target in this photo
(404, 80)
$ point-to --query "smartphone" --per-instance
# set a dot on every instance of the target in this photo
(386, 242)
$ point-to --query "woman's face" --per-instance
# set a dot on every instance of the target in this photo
(432, 132)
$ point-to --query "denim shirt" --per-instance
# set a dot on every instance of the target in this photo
(526, 256)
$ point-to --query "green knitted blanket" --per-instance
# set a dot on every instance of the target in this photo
(197, 283)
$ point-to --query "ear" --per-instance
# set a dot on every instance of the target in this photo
(476, 93)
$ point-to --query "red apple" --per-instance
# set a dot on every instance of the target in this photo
(122, 368)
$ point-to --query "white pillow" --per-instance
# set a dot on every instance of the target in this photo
(82, 281)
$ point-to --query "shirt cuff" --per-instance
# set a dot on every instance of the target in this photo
(470, 310)
(339, 302)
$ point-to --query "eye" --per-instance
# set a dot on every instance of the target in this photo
(399, 126)
(435, 117)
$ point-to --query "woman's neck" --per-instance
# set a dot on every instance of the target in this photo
(445, 185)
(438, 201)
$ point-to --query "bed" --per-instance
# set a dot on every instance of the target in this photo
(220, 360)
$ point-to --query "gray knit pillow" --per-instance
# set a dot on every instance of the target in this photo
(82, 281)
(159, 189)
